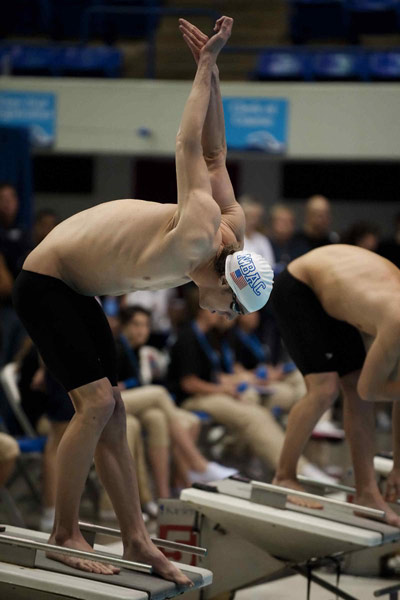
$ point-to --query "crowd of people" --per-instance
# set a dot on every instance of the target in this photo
(178, 365)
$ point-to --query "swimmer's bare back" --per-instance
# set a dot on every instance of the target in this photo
(352, 284)
(120, 246)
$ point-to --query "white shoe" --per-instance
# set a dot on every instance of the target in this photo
(314, 472)
(213, 472)
(47, 519)
(46, 524)
(151, 509)
(328, 430)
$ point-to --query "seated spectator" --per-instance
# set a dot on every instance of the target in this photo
(281, 235)
(363, 234)
(195, 378)
(9, 451)
(167, 427)
(390, 247)
(49, 409)
(254, 239)
(15, 243)
(284, 384)
(158, 303)
(317, 225)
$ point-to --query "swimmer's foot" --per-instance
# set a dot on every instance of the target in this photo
(145, 551)
(377, 501)
(90, 566)
(293, 484)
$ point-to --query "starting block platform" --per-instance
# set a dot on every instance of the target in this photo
(254, 531)
(26, 573)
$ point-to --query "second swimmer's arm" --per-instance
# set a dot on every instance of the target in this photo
(376, 381)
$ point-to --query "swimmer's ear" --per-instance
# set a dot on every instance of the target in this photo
(223, 282)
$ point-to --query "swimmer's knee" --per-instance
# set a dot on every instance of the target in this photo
(324, 387)
(95, 400)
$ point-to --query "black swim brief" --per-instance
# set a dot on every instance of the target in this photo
(69, 329)
(316, 342)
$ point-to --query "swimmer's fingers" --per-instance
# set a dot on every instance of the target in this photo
(194, 50)
(194, 43)
(194, 31)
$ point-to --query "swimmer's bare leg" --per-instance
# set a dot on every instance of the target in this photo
(117, 472)
(322, 390)
(98, 429)
(359, 421)
(94, 405)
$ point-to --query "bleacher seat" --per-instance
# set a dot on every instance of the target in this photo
(384, 65)
(373, 16)
(338, 65)
(316, 19)
(33, 60)
(73, 61)
(81, 61)
(282, 65)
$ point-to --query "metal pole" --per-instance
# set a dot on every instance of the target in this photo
(157, 541)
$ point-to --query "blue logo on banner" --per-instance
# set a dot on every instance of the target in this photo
(256, 123)
(36, 110)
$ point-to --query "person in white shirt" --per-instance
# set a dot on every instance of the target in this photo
(254, 240)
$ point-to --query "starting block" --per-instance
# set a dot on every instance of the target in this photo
(26, 572)
(254, 532)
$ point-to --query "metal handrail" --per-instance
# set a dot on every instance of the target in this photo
(142, 11)
(157, 541)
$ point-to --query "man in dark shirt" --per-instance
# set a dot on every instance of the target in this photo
(14, 246)
(317, 225)
(15, 243)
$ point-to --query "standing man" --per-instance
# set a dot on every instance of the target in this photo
(115, 248)
(328, 303)
(317, 225)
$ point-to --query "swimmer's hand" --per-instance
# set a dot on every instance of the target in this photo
(223, 28)
(199, 43)
(392, 492)
(194, 38)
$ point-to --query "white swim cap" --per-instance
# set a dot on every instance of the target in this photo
(250, 277)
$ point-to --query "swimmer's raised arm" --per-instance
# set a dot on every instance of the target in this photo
(213, 140)
(378, 380)
(195, 199)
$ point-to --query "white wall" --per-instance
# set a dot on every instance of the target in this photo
(326, 120)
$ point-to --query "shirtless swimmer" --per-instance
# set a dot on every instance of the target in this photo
(339, 314)
(119, 247)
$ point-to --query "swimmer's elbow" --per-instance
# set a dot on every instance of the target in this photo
(365, 392)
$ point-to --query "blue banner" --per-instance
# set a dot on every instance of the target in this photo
(256, 124)
(35, 110)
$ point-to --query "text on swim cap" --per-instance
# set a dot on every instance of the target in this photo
(250, 273)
